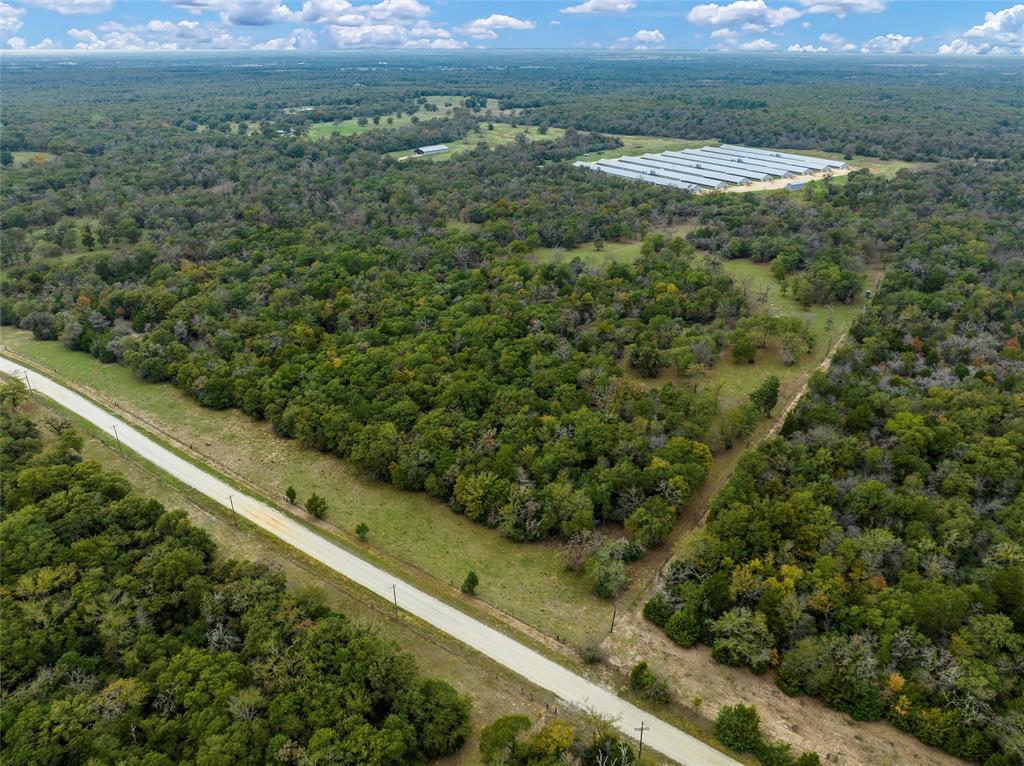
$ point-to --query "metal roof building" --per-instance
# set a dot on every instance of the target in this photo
(695, 167)
(682, 166)
(706, 161)
(818, 162)
(712, 167)
(747, 159)
(618, 172)
(432, 149)
(664, 169)
(737, 162)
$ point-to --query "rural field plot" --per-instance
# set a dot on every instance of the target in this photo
(501, 133)
(29, 159)
(445, 106)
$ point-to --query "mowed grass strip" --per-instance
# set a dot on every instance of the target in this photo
(526, 581)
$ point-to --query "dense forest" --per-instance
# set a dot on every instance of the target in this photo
(126, 641)
(874, 553)
(178, 220)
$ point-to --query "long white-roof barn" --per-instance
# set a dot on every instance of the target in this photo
(713, 167)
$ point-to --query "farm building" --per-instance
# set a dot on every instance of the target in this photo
(432, 149)
(716, 167)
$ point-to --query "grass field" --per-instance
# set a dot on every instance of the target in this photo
(634, 145)
(503, 133)
(738, 380)
(28, 159)
(527, 581)
(445, 106)
(495, 690)
(609, 253)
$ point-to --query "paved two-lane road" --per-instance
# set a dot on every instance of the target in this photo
(526, 662)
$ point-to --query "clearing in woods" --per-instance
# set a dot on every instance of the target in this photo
(483, 135)
(30, 159)
(445, 105)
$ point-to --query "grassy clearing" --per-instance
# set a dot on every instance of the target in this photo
(445, 106)
(503, 133)
(495, 690)
(31, 159)
(738, 380)
(352, 127)
(609, 253)
(526, 581)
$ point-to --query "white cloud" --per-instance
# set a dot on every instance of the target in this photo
(156, 35)
(836, 43)
(642, 39)
(19, 44)
(842, 8)
(246, 13)
(70, 7)
(806, 49)
(299, 39)
(724, 34)
(392, 10)
(389, 24)
(758, 45)
(601, 6)
(437, 43)
(10, 20)
(1002, 33)
(483, 29)
(890, 44)
(752, 14)
(555, 23)
(329, 12)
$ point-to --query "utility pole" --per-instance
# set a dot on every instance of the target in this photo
(25, 374)
(615, 608)
(394, 594)
(234, 513)
(119, 449)
(643, 727)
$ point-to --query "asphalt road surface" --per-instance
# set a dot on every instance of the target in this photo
(534, 667)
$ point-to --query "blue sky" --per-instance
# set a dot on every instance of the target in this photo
(807, 27)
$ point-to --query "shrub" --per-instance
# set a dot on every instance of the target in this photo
(658, 610)
(317, 506)
(363, 531)
(499, 738)
(590, 652)
(643, 681)
(739, 727)
(470, 583)
(684, 626)
(290, 494)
